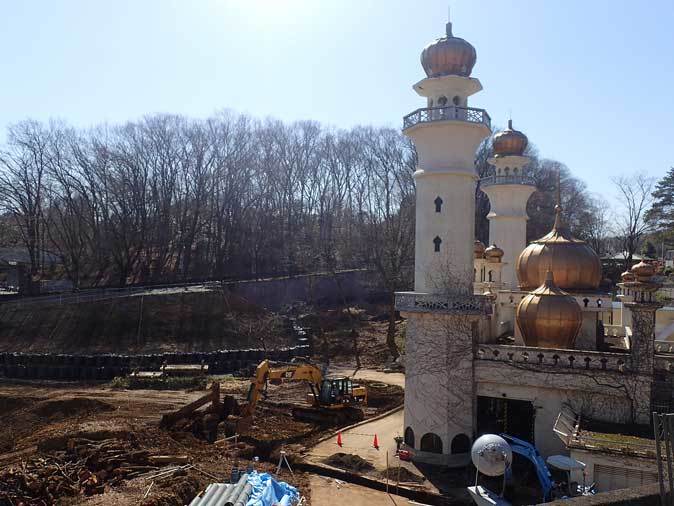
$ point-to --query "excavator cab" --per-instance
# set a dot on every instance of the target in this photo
(336, 391)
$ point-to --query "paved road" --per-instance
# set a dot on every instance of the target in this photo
(358, 441)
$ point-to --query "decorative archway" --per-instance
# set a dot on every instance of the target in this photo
(409, 437)
(431, 443)
(460, 444)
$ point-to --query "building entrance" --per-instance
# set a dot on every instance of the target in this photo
(496, 415)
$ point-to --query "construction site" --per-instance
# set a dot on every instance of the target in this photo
(157, 426)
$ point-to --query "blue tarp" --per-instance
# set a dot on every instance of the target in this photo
(269, 492)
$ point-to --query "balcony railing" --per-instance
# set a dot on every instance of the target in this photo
(416, 302)
(554, 358)
(452, 113)
(511, 179)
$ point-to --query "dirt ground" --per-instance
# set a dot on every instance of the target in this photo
(73, 429)
(40, 419)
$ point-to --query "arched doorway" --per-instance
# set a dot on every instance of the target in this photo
(409, 437)
(431, 443)
(460, 444)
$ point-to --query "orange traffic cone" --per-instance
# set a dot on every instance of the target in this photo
(339, 439)
(375, 443)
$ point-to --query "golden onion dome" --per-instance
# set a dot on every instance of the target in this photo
(493, 253)
(627, 276)
(509, 142)
(643, 271)
(478, 249)
(549, 317)
(448, 55)
(573, 263)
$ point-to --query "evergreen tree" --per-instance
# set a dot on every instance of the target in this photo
(661, 213)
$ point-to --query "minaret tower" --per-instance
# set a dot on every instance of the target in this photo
(441, 312)
(508, 190)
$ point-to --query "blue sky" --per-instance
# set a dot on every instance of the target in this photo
(590, 82)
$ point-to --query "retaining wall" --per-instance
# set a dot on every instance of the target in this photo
(108, 366)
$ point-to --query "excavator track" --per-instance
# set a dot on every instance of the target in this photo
(342, 416)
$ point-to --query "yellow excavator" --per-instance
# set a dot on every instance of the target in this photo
(334, 400)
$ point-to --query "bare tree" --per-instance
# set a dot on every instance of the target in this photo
(635, 199)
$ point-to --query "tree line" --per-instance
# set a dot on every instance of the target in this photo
(169, 198)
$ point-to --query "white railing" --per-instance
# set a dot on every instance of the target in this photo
(453, 113)
(518, 179)
(417, 302)
(555, 358)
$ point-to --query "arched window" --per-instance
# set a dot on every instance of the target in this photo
(442, 101)
(515, 171)
(460, 444)
(431, 443)
(409, 437)
(586, 301)
(438, 204)
(491, 276)
(456, 100)
(437, 241)
(474, 274)
(507, 171)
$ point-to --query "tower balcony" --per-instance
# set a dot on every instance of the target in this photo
(417, 302)
(448, 113)
(509, 179)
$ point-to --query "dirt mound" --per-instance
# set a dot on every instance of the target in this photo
(75, 406)
(9, 404)
(382, 395)
(349, 462)
(405, 475)
(174, 492)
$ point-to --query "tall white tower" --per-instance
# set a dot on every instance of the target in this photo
(508, 190)
(441, 312)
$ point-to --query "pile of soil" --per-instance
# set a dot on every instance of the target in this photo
(270, 426)
(349, 462)
(382, 396)
(9, 403)
(74, 406)
(405, 475)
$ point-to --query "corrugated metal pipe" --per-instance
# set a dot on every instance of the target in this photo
(226, 495)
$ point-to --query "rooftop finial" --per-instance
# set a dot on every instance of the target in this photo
(558, 206)
(448, 26)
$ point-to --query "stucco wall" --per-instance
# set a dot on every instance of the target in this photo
(613, 397)
(439, 377)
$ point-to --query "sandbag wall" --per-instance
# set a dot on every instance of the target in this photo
(108, 366)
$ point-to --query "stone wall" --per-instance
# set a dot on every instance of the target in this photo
(108, 366)
(322, 288)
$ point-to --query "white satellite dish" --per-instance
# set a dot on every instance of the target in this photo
(491, 455)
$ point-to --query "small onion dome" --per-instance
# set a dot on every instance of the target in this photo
(549, 317)
(627, 277)
(509, 141)
(493, 253)
(643, 271)
(448, 56)
(478, 249)
(573, 263)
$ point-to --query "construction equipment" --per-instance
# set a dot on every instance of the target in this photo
(550, 489)
(332, 400)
